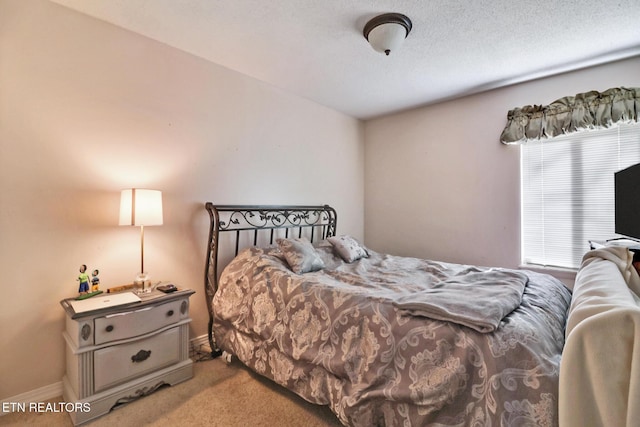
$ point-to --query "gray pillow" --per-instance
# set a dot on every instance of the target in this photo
(300, 255)
(348, 248)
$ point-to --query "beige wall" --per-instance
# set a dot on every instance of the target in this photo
(438, 183)
(87, 109)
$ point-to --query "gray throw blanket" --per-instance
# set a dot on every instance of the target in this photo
(474, 298)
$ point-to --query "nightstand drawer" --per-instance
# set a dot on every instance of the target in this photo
(138, 322)
(120, 363)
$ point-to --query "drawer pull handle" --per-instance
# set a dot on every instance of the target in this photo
(109, 328)
(169, 313)
(141, 356)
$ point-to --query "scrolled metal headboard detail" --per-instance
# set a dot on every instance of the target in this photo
(318, 222)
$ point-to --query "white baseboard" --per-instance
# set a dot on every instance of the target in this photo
(38, 395)
(200, 343)
(55, 390)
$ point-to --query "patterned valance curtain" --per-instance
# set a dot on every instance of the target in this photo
(590, 110)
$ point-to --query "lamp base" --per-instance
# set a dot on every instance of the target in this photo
(142, 280)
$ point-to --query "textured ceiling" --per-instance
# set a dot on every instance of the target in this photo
(315, 48)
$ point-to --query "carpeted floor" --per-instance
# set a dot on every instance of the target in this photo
(219, 394)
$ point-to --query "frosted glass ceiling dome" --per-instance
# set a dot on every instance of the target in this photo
(386, 33)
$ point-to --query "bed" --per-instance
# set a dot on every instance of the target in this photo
(382, 339)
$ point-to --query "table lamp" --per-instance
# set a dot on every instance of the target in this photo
(140, 207)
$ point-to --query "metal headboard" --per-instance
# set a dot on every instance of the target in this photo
(314, 222)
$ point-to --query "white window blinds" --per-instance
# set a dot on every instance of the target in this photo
(567, 189)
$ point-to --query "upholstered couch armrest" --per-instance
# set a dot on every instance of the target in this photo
(600, 367)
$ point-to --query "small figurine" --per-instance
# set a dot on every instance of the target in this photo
(95, 280)
(83, 278)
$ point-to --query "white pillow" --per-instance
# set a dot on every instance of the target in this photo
(348, 248)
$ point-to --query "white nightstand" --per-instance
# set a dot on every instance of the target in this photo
(118, 354)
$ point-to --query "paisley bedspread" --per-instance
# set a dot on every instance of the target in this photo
(337, 338)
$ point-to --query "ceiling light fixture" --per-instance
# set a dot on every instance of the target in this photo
(385, 33)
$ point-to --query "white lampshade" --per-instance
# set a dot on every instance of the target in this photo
(140, 207)
(387, 32)
(387, 38)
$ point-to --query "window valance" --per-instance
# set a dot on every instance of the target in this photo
(590, 110)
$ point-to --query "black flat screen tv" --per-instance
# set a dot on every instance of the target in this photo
(627, 202)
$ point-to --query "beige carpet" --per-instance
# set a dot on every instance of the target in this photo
(217, 395)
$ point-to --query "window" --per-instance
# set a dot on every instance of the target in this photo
(567, 188)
